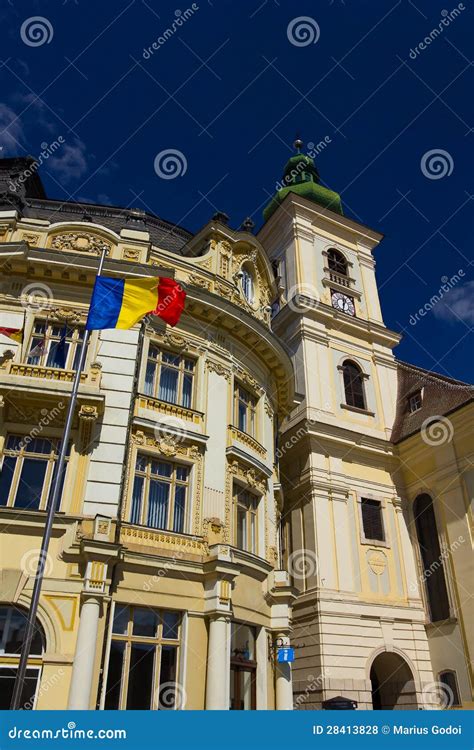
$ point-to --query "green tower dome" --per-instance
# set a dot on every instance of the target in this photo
(301, 176)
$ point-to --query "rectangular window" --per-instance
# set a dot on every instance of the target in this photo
(169, 377)
(245, 514)
(372, 519)
(160, 494)
(55, 345)
(415, 402)
(143, 662)
(245, 406)
(27, 470)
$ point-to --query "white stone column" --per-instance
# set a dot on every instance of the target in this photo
(218, 664)
(284, 682)
(84, 658)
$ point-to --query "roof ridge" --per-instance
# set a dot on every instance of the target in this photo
(433, 375)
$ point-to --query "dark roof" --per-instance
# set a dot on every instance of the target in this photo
(441, 395)
(28, 197)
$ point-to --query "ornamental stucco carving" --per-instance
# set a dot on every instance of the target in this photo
(83, 242)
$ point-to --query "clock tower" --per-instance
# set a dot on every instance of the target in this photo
(359, 619)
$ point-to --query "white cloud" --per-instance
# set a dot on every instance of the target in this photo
(69, 161)
(11, 132)
(457, 304)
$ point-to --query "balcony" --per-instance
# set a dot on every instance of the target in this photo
(340, 282)
(150, 404)
(161, 542)
(29, 392)
(234, 435)
(56, 374)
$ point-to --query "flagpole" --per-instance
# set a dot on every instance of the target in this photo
(53, 498)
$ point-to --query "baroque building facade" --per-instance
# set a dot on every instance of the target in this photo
(249, 478)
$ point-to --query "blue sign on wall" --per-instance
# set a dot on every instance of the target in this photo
(285, 654)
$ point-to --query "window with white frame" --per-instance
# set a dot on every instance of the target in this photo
(142, 668)
(248, 284)
(415, 402)
(55, 345)
(12, 631)
(169, 377)
(27, 469)
(160, 494)
(245, 407)
(246, 519)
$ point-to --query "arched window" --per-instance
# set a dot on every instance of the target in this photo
(12, 631)
(433, 562)
(337, 262)
(247, 285)
(353, 384)
(449, 689)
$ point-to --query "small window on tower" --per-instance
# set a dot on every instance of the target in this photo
(337, 262)
(415, 402)
(372, 520)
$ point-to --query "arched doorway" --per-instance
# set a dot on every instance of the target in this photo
(393, 686)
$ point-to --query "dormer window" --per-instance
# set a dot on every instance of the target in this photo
(415, 402)
(337, 262)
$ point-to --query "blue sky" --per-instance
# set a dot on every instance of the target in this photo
(229, 89)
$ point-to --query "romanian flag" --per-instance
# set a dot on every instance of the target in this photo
(13, 333)
(120, 303)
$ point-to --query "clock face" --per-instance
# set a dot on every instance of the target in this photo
(343, 303)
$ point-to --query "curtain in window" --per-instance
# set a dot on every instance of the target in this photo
(187, 390)
(168, 385)
(30, 486)
(149, 378)
(136, 513)
(158, 504)
(179, 508)
(6, 476)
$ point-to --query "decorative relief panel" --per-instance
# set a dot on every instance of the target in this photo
(84, 242)
(131, 253)
(219, 369)
(377, 561)
(31, 238)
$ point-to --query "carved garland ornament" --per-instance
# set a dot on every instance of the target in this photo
(82, 242)
(218, 369)
(67, 315)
